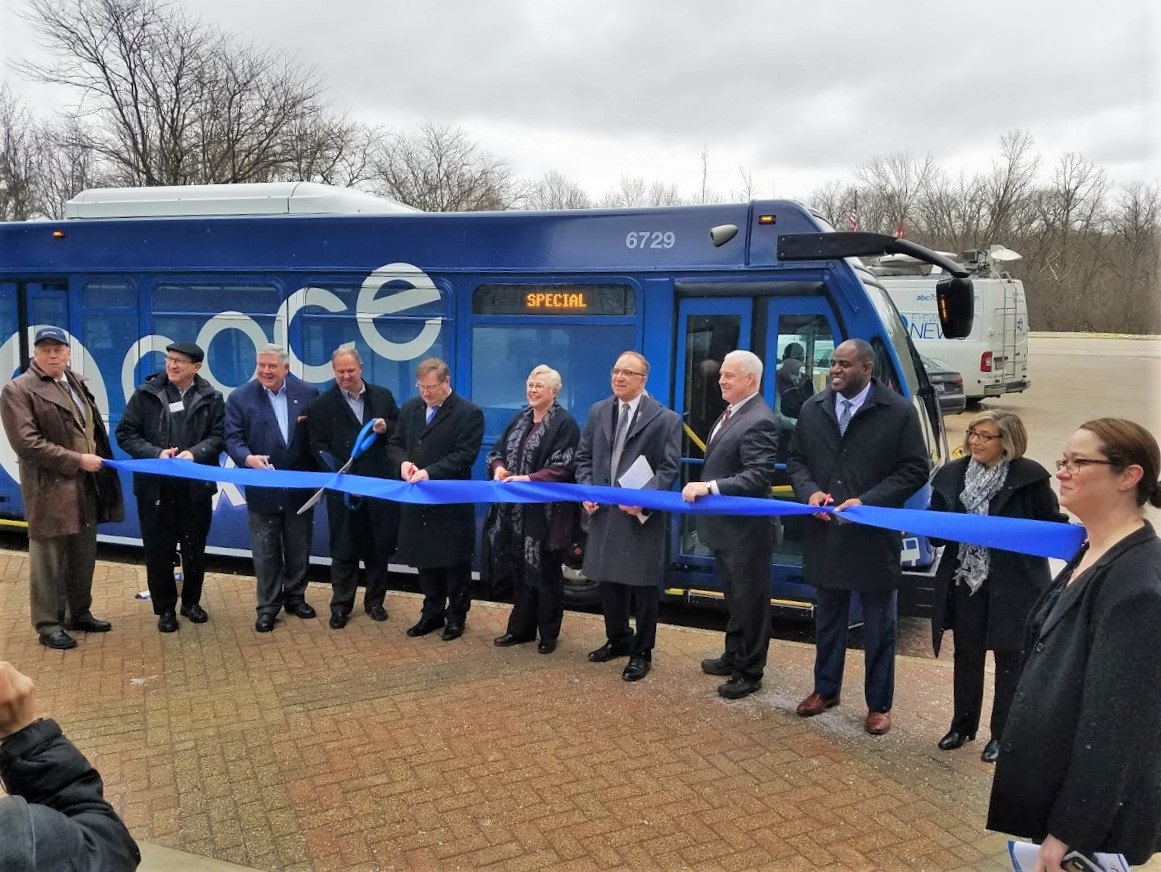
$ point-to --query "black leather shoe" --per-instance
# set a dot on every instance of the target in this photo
(89, 625)
(195, 613)
(509, 639)
(608, 651)
(265, 623)
(301, 609)
(738, 687)
(377, 613)
(954, 739)
(991, 751)
(546, 646)
(637, 669)
(717, 666)
(167, 622)
(425, 626)
(452, 631)
(58, 639)
(339, 620)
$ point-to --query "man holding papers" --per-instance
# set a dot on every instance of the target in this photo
(630, 440)
(739, 462)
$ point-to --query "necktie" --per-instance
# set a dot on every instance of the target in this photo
(68, 389)
(619, 441)
(431, 410)
(721, 423)
(845, 417)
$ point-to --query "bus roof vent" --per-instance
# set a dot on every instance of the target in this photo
(265, 198)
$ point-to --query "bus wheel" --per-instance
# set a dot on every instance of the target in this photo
(579, 592)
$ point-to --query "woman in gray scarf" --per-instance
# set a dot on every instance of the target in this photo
(983, 595)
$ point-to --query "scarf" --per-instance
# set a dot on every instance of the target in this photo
(980, 484)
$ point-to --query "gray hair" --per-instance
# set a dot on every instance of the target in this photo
(750, 363)
(347, 349)
(551, 376)
(271, 348)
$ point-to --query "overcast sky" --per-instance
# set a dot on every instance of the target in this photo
(797, 93)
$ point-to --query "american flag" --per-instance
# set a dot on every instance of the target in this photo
(899, 230)
(853, 218)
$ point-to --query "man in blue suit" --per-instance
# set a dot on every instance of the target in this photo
(266, 429)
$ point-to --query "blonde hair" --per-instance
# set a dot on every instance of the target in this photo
(551, 377)
(1013, 434)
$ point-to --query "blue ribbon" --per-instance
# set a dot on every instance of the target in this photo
(1039, 538)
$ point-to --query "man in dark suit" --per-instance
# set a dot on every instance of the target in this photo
(625, 550)
(739, 462)
(360, 529)
(438, 437)
(856, 443)
(266, 429)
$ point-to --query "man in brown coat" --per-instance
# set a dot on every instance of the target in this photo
(56, 430)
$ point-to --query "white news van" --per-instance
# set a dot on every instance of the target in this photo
(993, 360)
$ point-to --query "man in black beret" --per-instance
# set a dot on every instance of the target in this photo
(175, 414)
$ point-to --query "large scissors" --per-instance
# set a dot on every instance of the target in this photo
(362, 443)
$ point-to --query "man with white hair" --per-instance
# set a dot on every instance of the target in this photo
(739, 462)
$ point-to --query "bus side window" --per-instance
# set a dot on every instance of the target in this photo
(884, 369)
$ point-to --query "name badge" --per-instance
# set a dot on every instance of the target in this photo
(179, 406)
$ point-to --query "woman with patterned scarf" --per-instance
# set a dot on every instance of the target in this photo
(983, 595)
(524, 544)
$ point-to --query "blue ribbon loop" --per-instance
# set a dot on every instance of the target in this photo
(1039, 538)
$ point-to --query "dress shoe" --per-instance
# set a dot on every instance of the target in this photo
(991, 751)
(637, 669)
(377, 613)
(509, 639)
(425, 626)
(195, 613)
(717, 666)
(877, 723)
(546, 646)
(737, 687)
(167, 622)
(452, 631)
(89, 625)
(954, 739)
(608, 651)
(338, 620)
(301, 609)
(58, 639)
(265, 623)
(816, 704)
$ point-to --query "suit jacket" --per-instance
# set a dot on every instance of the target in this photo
(619, 547)
(252, 428)
(332, 428)
(437, 536)
(1080, 757)
(740, 458)
(882, 460)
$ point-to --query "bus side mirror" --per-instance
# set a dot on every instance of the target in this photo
(956, 300)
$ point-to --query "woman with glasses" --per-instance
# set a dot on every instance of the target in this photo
(524, 544)
(1080, 759)
(983, 595)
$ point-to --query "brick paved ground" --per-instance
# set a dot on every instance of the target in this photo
(313, 749)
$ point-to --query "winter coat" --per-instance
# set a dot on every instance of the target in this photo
(619, 547)
(1014, 580)
(1080, 757)
(42, 424)
(881, 460)
(146, 430)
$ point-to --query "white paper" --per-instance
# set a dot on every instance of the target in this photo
(636, 477)
(1023, 856)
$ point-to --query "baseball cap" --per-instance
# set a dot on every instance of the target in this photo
(50, 334)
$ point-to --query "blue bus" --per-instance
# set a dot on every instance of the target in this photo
(494, 294)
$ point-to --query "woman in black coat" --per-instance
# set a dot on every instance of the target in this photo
(524, 544)
(1080, 759)
(984, 594)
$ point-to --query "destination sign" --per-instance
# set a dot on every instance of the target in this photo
(560, 299)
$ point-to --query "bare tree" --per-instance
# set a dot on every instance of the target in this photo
(896, 181)
(746, 193)
(634, 191)
(21, 156)
(556, 191)
(441, 170)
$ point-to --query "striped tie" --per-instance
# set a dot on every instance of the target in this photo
(845, 418)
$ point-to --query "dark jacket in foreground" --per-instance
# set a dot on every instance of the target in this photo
(437, 536)
(1014, 580)
(56, 816)
(1081, 754)
(881, 460)
(146, 430)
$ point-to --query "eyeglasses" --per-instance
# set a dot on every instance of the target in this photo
(184, 361)
(627, 372)
(426, 389)
(537, 386)
(1078, 463)
(982, 437)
